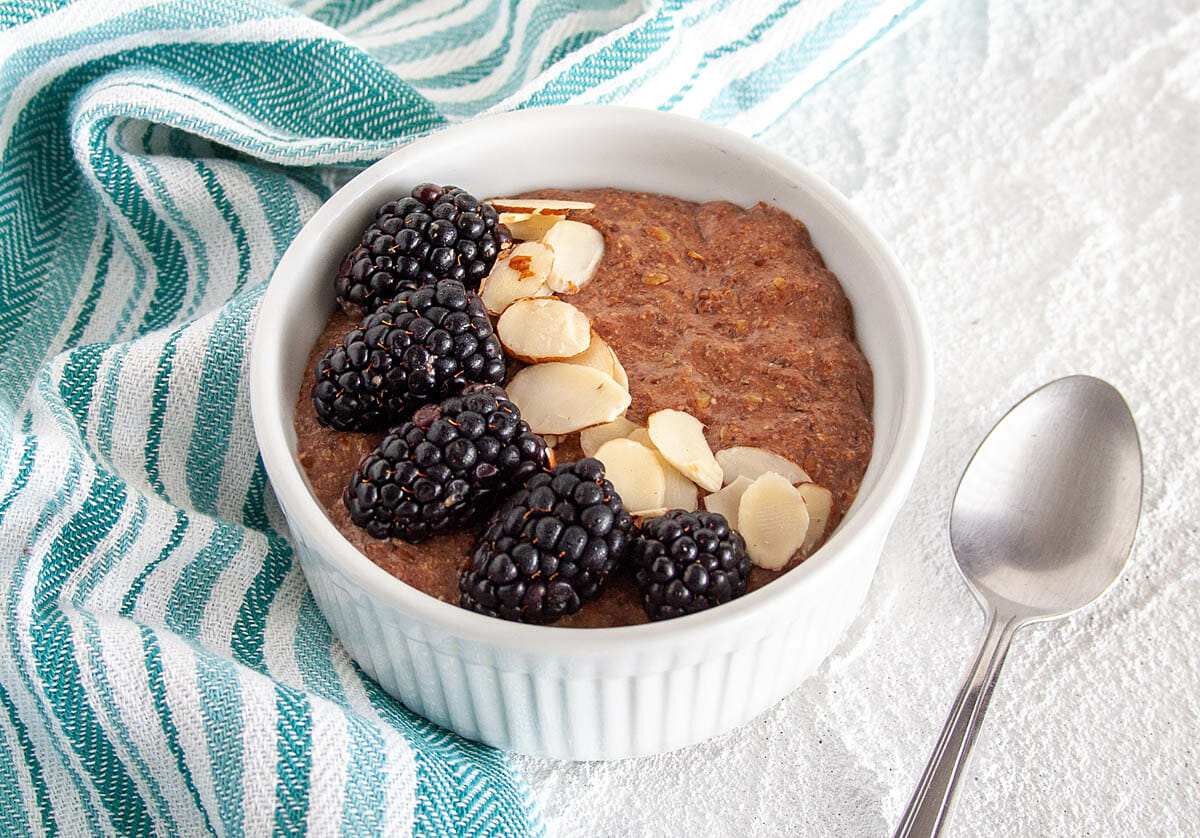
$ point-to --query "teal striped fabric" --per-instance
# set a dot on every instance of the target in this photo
(164, 669)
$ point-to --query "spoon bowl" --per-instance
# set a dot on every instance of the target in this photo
(1046, 511)
(1043, 522)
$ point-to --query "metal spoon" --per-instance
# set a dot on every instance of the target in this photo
(1043, 521)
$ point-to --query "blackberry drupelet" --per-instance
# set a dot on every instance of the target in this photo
(427, 343)
(685, 562)
(437, 232)
(448, 466)
(550, 548)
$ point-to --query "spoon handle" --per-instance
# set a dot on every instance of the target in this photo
(929, 809)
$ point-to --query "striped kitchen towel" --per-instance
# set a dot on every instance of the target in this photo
(163, 668)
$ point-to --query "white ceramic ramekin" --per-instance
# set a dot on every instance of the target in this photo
(616, 692)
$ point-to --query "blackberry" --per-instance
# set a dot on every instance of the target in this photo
(437, 232)
(426, 344)
(446, 467)
(550, 548)
(685, 562)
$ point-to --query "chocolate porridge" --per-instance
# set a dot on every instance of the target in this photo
(725, 313)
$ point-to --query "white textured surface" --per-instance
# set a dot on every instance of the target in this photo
(1036, 166)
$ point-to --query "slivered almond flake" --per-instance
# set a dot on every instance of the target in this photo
(528, 226)
(590, 439)
(578, 248)
(619, 374)
(745, 461)
(651, 513)
(819, 501)
(773, 518)
(539, 206)
(513, 280)
(641, 436)
(725, 502)
(680, 493)
(597, 356)
(532, 257)
(679, 437)
(558, 398)
(543, 329)
(635, 473)
(656, 278)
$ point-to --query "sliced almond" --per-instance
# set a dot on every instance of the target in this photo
(680, 492)
(619, 372)
(590, 439)
(819, 501)
(532, 258)
(578, 248)
(528, 226)
(725, 502)
(543, 329)
(635, 473)
(558, 398)
(773, 518)
(642, 437)
(679, 437)
(551, 439)
(526, 277)
(597, 356)
(744, 461)
(542, 206)
(651, 513)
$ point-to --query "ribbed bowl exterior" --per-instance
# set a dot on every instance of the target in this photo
(624, 705)
(613, 692)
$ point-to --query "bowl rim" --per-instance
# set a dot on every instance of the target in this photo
(751, 613)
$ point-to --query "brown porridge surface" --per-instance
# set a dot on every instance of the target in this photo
(728, 314)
